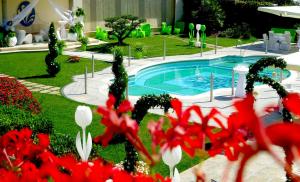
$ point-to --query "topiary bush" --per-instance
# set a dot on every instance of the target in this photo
(13, 118)
(53, 66)
(14, 93)
(118, 87)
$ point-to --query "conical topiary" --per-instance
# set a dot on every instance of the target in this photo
(53, 66)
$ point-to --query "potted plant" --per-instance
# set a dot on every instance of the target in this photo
(11, 39)
(79, 30)
(72, 35)
(138, 51)
(84, 42)
(60, 46)
(80, 14)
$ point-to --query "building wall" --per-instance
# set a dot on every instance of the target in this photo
(154, 11)
(44, 13)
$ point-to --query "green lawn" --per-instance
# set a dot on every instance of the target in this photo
(175, 45)
(228, 42)
(61, 111)
(153, 46)
(31, 66)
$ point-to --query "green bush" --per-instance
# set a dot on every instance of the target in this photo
(84, 42)
(12, 118)
(72, 29)
(62, 144)
(237, 31)
(53, 67)
(61, 45)
(208, 12)
(138, 51)
(259, 22)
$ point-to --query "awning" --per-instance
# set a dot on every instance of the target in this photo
(284, 11)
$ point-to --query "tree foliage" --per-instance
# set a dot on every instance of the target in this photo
(122, 26)
(207, 12)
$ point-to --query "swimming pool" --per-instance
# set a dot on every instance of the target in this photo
(188, 78)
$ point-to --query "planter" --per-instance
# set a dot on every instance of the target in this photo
(72, 37)
(138, 55)
(83, 47)
(12, 41)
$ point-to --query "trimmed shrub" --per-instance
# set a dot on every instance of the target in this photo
(53, 67)
(62, 144)
(259, 22)
(208, 13)
(13, 118)
(14, 93)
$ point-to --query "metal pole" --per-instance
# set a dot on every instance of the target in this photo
(232, 83)
(85, 80)
(267, 42)
(216, 45)
(211, 87)
(129, 55)
(165, 47)
(281, 75)
(240, 43)
(127, 92)
(93, 65)
(201, 48)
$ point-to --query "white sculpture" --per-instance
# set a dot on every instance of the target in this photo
(242, 70)
(83, 118)
(72, 37)
(38, 38)
(171, 158)
(27, 39)
(198, 43)
(63, 32)
(20, 36)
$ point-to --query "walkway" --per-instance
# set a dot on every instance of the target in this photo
(36, 87)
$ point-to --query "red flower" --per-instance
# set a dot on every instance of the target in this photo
(291, 102)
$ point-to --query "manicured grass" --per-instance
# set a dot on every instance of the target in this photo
(176, 45)
(153, 46)
(61, 111)
(31, 66)
(228, 42)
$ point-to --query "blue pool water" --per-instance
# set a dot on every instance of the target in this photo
(189, 78)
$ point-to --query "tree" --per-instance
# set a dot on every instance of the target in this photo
(122, 26)
(207, 12)
(53, 66)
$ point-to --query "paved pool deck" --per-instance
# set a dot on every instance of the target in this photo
(262, 168)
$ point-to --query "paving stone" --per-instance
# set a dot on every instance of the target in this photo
(44, 91)
(35, 90)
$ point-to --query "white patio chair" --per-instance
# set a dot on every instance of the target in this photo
(273, 42)
(286, 42)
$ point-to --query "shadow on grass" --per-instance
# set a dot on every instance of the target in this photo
(105, 48)
(37, 76)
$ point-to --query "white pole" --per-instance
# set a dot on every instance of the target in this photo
(267, 42)
(216, 45)
(85, 80)
(201, 48)
(129, 55)
(165, 47)
(127, 98)
(232, 83)
(211, 87)
(281, 75)
(93, 65)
